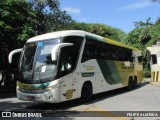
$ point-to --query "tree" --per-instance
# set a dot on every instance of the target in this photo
(15, 26)
(144, 35)
(158, 21)
(143, 24)
(18, 23)
(133, 38)
(22, 19)
(49, 17)
(100, 29)
(14, 22)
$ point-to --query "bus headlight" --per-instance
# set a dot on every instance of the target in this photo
(17, 86)
(49, 88)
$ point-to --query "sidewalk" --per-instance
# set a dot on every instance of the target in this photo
(155, 84)
(150, 82)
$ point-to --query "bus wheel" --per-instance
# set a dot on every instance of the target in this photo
(130, 83)
(135, 81)
(86, 93)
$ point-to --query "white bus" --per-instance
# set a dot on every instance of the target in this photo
(66, 65)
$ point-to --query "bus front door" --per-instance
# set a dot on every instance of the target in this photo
(68, 89)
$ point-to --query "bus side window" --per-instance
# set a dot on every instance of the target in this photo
(66, 61)
(71, 53)
(85, 55)
(90, 50)
(99, 50)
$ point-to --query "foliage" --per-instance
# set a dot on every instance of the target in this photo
(13, 20)
(18, 23)
(133, 38)
(49, 17)
(144, 35)
(22, 19)
(146, 72)
(100, 29)
(143, 24)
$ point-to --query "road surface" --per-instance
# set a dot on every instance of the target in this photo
(146, 97)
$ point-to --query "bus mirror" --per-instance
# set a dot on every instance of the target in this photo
(57, 48)
(12, 53)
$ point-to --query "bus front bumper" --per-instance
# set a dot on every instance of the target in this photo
(49, 96)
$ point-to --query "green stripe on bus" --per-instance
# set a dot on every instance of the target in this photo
(109, 71)
(32, 86)
(114, 71)
(43, 85)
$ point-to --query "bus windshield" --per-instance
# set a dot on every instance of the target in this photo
(36, 63)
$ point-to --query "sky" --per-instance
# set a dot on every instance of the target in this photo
(116, 13)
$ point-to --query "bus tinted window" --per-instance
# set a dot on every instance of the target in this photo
(90, 50)
(98, 50)
(69, 55)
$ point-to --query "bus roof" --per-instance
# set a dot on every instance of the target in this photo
(57, 35)
(78, 33)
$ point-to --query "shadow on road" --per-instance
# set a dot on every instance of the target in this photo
(9, 104)
(74, 103)
(112, 93)
(59, 110)
(7, 93)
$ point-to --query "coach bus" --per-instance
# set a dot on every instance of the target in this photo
(66, 65)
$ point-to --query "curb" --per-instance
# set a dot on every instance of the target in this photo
(148, 80)
(155, 83)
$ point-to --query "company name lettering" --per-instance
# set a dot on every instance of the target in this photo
(26, 114)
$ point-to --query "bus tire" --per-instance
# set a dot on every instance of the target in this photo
(130, 83)
(135, 81)
(86, 93)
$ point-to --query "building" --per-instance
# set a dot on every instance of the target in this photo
(154, 58)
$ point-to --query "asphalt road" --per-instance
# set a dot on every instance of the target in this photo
(146, 97)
